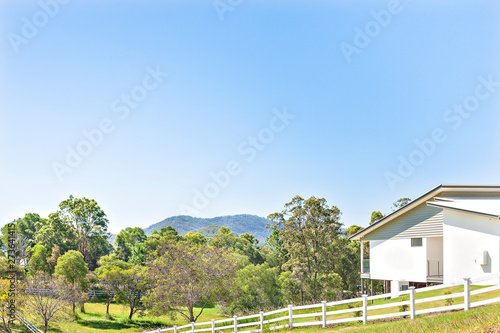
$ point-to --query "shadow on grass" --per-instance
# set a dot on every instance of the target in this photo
(105, 324)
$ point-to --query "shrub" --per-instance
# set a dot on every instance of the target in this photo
(404, 307)
(359, 304)
(448, 301)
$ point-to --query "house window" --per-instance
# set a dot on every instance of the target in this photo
(416, 242)
(404, 287)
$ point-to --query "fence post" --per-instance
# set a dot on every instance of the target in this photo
(213, 325)
(175, 328)
(412, 302)
(365, 310)
(192, 326)
(466, 294)
(235, 324)
(323, 305)
(261, 321)
(290, 316)
(159, 330)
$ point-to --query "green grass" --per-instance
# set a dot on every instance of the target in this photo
(94, 319)
(483, 319)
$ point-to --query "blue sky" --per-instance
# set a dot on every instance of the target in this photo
(266, 90)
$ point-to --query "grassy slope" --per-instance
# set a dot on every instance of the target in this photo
(94, 321)
(483, 319)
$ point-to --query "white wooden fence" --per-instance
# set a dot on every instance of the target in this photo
(285, 318)
(29, 325)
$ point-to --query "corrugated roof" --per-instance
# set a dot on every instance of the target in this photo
(482, 206)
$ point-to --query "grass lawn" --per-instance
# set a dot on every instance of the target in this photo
(482, 319)
(94, 319)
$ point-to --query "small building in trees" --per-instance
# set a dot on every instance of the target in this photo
(447, 234)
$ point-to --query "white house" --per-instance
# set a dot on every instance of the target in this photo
(450, 232)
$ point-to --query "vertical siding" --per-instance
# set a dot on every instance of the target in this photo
(422, 221)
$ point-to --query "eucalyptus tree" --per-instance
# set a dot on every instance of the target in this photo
(308, 228)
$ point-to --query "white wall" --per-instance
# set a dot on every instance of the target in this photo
(466, 236)
(435, 248)
(395, 259)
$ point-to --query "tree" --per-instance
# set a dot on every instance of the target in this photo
(5, 305)
(195, 238)
(400, 203)
(56, 232)
(244, 245)
(132, 288)
(186, 274)
(73, 268)
(139, 254)
(25, 227)
(52, 260)
(46, 296)
(277, 254)
(257, 288)
(308, 228)
(38, 262)
(353, 229)
(125, 241)
(376, 216)
(88, 221)
(110, 276)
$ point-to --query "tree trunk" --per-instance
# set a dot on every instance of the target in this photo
(46, 326)
(82, 307)
(191, 313)
(107, 307)
(74, 306)
(131, 313)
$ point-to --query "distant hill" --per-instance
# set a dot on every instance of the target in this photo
(239, 224)
(208, 231)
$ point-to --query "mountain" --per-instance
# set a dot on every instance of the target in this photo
(239, 224)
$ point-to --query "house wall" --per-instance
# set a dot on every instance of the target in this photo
(466, 236)
(395, 259)
(435, 248)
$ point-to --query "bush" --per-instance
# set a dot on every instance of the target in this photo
(404, 307)
(448, 301)
(358, 313)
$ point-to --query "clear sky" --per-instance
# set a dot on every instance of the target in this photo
(141, 104)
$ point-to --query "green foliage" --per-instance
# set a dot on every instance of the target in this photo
(88, 224)
(195, 238)
(448, 301)
(125, 241)
(376, 216)
(207, 231)
(72, 267)
(404, 307)
(257, 288)
(38, 261)
(185, 274)
(353, 229)
(244, 245)
(26, 226)
(400, 203)
(308, 229)
(357, 313)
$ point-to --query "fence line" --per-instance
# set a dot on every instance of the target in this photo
(360, 309)
(27, 323)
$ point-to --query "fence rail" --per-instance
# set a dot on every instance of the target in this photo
(358, 307)
(29, 325)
